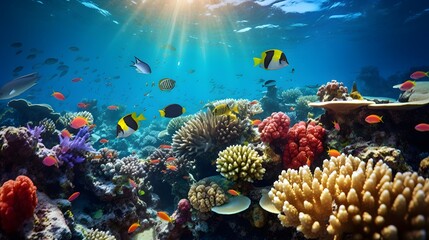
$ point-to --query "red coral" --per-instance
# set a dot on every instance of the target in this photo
(274, 127)
(18, 200)
(304, 143)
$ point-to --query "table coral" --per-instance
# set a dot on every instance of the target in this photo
(240, 163)
(204, 195)
(18, 200)
(350, 197)
(304, 143)
(275, 127)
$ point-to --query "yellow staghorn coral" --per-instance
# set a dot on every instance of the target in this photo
(204, 195)
(240, 162)
(350, 197)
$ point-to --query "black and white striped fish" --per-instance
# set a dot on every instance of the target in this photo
(166, 84)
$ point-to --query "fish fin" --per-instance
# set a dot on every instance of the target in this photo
(137, 59)
(162, 113)
(12, 92)
(141, 117)
(381, 119)
(256, 61)
(235, 108)
(183, 110)
(397, 85)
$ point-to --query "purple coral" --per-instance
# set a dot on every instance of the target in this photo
(36, 132)
(72, 150)
(183, 212)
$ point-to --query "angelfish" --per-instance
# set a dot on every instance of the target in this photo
(18, 86)
(141, 66)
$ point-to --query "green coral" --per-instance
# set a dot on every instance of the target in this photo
(240, 162)
(302, 107)
(291, 95)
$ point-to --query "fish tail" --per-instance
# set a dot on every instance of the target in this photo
(235, 108)
(381, 119)
(162, 113)
(256, 61)
(427, 74)
(141, 117)
(183, 110)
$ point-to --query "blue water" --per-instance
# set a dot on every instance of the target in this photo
(322, 40)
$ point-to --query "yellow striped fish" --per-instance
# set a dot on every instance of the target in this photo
(166, 84)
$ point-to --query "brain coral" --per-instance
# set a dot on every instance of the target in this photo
(204, 195)
(240, 162)
(350, 197)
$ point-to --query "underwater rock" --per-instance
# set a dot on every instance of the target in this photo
(49, 222)
(389, 155)
(17, 145)
(424, 167)
(32, 112)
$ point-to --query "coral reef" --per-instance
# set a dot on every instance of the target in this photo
(332, 91)
(32, 112)
(353, 198)
(204, 195)
(274, 127)
(176, 123)
(96, 234)
(246, 109)
(291, 95)
(239, 162)
(304, 143)
(18, 200)
(17, 144)
(69, 116)
(72, 151)
(303, 110)
(132, 167)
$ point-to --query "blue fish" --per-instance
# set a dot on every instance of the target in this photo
(141, 66)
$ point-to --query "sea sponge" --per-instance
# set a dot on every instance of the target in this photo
(18, 200)
(96, 234)
(239, 162)
(204, 195)
(353, 198)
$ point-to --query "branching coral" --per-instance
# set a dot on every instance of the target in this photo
(240, 163)
(204, 195)
(96, 234)
(352, 197)
(72, 151)
(176, 123)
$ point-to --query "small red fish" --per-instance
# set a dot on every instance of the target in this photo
(73, 196)
(422, 127)
(254, 102)
(78, 122)
(66, 133)
(50, 160)
(103, 141)
(171, 159)
(155, 161)
(333, 153)
(58, 96)
(92, 126)
(186, 177)
(172, 168)
(256, 122)
(371, 119)
(233, 192)
(407, 85)
(163, 146)
(113, 107)
(419, 74)
(133, 227)
(164, 216)
(132, 183)
(82, 105)
(336, 125)
(78, 79)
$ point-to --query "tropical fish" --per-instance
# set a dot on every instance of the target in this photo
(82, 105)
(333, 152)
(77, 79)
(166, 84)
(256, 122)
(164, 216)
(373, 119)
(269, 83)
(141, 67)
(132, 183)
(50, 61)
(31, 56)
(73, 49)
(78, 122)
(18, 69)
(16, 45)
(336, 125)
(73, 196)
(18, 85)
(113, 107)
(172, 168)
(422, 127)
(172, 111)
(141, 192)
(271, 60)
(169, 159)
(49, 161)
(233, 192)
(164, 146)
(254, 102)
(154, 161)
(419, 74)
(224, 109)
(103, 141)
(407, 85)
(58, 96)
(66, 133)
(133, 227)
(128, 125)
(292, 108)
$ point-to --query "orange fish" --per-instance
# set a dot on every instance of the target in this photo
(66, 133)
(419, 74)
(164, 216)
(254, 102)
(92, 126)
(73, 196)
(163, 146)
(78, 79)
(422, 127)
(97, 156)
(170, 159)
(186, 177)
(336, 125)
(103, 141)
(132, 183)
(155, 161)
(233, 192)
(58, 96)
(82, 105)
(308, 162)
(113, 107)
(371, 119)
(133, 227)
(292, 108)
(172, 168)
(333, 152)
(256, 122)
(78, 122)
(50, 160)
(407, 85)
